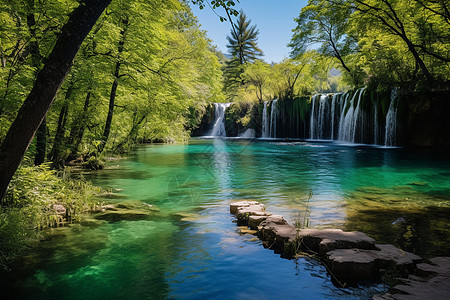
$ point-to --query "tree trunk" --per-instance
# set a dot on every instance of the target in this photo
(77, 132)
(59, 135)
(47, 83)
(33, 46)
(41, 143)
(112, 96)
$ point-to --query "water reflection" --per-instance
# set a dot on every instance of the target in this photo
(190, 248)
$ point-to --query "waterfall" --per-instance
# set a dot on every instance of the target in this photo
(248, 134)
(219, 119)
(321, 118)
(312, 123)
(273, 119)
(353, 119)
(265, 122)
(359, 120)
(375, 124)
(333, 110)
(391, 120)
(347, 120)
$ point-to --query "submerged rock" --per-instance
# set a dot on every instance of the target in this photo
(127, 211)
(432, 281)
(352, 265)
(246, 230)
(123, 215)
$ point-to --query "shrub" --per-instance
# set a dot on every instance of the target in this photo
(31, 203)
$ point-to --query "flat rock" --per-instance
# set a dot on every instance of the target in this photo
(243, 213)
(324, 240)
(437, 265)
(390, 256)
(243, 203)
(279, 237)
(351, 265)
(254, 221)
(436, 284)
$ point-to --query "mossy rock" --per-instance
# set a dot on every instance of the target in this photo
(127, 211)
(123, 215)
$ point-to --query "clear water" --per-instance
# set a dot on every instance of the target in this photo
(189, 248)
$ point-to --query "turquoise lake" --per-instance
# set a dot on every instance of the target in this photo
(190, 247)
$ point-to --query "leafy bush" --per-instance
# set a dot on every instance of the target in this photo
(33, 199)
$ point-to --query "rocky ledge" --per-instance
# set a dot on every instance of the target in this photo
(350, 257)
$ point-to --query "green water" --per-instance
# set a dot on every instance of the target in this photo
(189, 246)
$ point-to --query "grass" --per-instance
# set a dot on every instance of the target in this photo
(28, 206)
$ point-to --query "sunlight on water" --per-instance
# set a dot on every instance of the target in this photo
(186, 245)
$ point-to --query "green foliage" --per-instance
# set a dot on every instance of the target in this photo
(15, 233)
(308, 73)
(30, 202)
(168, 69)
(242, 44)
(380, 43)
(325, 24)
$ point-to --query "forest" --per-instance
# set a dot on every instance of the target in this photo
(85, 81)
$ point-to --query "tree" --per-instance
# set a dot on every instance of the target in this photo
(242, 44)
(387, 15)
(418, 31)
(305, 74)
(258, 75)
(51, 77)
(324, 24)
(44, 90)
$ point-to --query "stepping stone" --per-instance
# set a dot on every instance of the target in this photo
(352, 265)
(278, 235)
(244, 212)
(238, 204)
(254, 221)
(325, 240)
(434, 285)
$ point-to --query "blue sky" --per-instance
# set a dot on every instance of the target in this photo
(273, 18)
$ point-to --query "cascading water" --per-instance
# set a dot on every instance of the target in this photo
(355, 117)
(333, 113)
(391, 120)
(248, 134)
(375, 125)
(312, 122)
(219, 119)
(351, 126)
(265, 122)
(273, 119)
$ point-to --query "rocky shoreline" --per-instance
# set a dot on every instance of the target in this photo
(350, 257)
